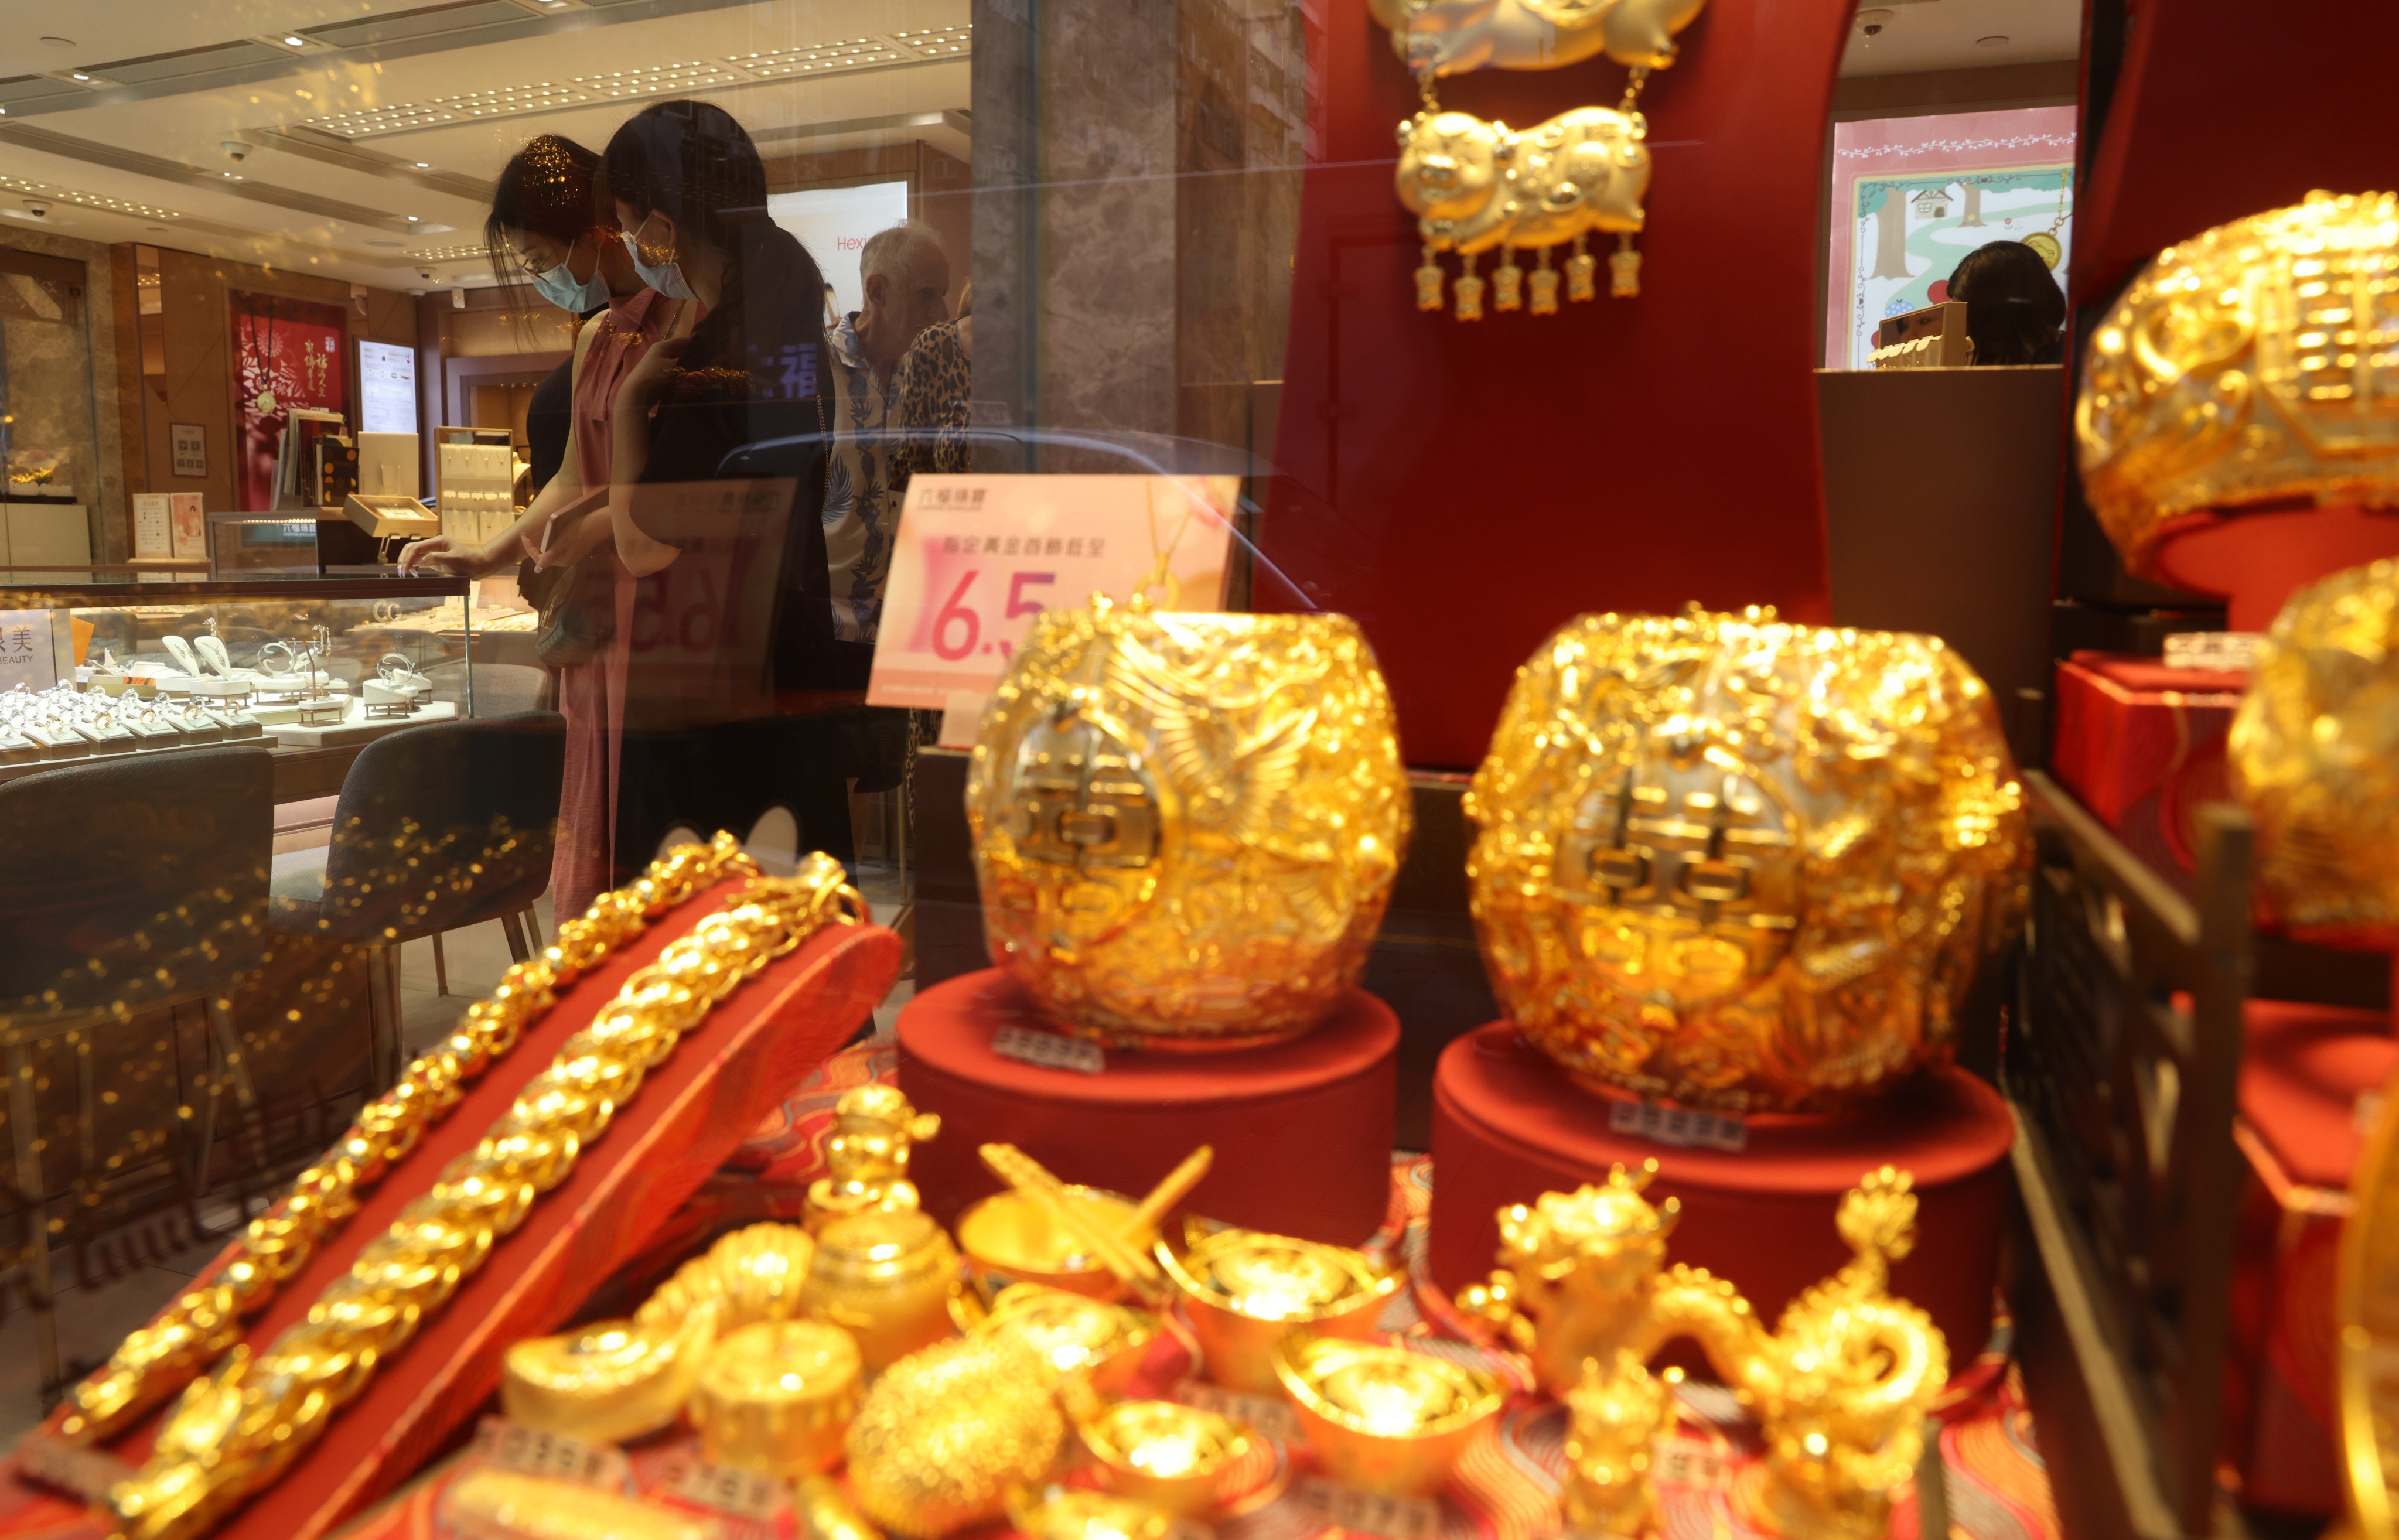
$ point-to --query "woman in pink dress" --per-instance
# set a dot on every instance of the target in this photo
(552, 222)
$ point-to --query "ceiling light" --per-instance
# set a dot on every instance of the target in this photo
(80, 75)
(411, 219)
(59, 42)
(424, 166)
(295, 42)
(1996, 40)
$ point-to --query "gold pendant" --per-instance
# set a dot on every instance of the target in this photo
(1474, 185)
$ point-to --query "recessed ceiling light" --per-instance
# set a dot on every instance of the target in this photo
(411, 219)
(59, 42)
(1996, 40)
(295, 42)
(424, 166)
(80, 75)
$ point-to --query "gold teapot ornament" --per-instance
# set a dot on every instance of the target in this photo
(1187, 825)
(2312, 753)
(1741, 864)
(1840, 1388)
(2249, 365)
(874, 1127)
(1478, 186)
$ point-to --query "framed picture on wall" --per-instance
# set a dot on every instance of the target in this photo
(191, 448)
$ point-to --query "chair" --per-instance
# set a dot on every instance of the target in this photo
(127, 885)
(439, 827)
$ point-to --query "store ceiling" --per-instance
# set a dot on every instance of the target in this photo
(367, 131)
(1961, 34)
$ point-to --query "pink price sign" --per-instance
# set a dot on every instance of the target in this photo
(978, 557)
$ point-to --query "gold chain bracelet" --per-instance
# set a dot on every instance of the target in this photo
(236, 1431)
(205, 1321)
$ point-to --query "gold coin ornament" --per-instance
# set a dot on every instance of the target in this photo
(2314, 750)
(2252, 364)
(1741, 864)
(1185, 825)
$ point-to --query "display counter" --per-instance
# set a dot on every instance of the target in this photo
(106, 663)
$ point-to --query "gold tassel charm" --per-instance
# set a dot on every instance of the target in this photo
(1428, 283)
(1583, 272)
(1624, 269)
(1469, 290)
(1545, 287)
(1507, 282)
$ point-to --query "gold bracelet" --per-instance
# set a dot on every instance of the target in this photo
(238, 1429)
(160, 1359)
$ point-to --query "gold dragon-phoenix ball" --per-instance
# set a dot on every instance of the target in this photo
(1187, 825)
(1740, 864)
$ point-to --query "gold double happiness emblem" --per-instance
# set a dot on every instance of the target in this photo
(1478, 186)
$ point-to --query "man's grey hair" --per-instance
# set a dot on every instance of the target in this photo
(901, 253)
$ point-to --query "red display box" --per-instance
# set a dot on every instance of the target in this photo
(1302, 1129)
(2310, 1078)
(1508, 1125)
(693, 1110)
(2142, 746)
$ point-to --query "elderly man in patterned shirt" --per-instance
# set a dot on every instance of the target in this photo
(907, 278)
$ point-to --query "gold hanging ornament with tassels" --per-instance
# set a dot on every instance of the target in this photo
(1478, 186)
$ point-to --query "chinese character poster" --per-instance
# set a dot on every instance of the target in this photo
(286, 353)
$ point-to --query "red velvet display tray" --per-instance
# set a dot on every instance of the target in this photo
(1302, 1129)
(1508, 1125)
(691, 1112)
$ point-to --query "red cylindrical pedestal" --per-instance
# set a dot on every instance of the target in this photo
(1508, 1125)
(1302, 1129)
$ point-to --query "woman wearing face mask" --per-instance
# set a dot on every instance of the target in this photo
(727, 627)
(552, 222)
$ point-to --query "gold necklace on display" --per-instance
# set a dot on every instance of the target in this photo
(1478, 186)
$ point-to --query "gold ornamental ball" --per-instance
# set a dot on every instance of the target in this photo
(2251, 364)
(1740, 864)
(2314, 750)
(1186, 825)
(944, 1435)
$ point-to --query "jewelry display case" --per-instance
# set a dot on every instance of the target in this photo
(313, 669)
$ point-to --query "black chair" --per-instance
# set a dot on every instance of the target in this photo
(127, 885)
(439, 827)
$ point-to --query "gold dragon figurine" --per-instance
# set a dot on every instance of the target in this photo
(1839, 1388)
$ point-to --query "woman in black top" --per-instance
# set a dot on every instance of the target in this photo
(722, 524)
(2015, 313)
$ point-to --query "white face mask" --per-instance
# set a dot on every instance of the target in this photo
(563, 288)
(667, 278)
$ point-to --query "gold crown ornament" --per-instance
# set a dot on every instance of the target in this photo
(2251, 364)
(1477, 186)
(1187, 825)
(2314, 750)
(1741, 864)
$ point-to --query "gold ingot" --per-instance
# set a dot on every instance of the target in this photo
(753, 1275)
(2313, 752)
(776, 1397)
(2251, 364)
(1009, 1237)
(1245, 1290)
(1072, 1334)
(1063, 1513)
(824, 1511)
(1186, 825)
(1164, 1454)
(884, 1276)
(1381, 1418)
(608, 1382)
(945, 1434)
(1741, 864)
(492, 1504)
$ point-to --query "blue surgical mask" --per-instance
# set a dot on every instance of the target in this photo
(667, 279)
(563, 288)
